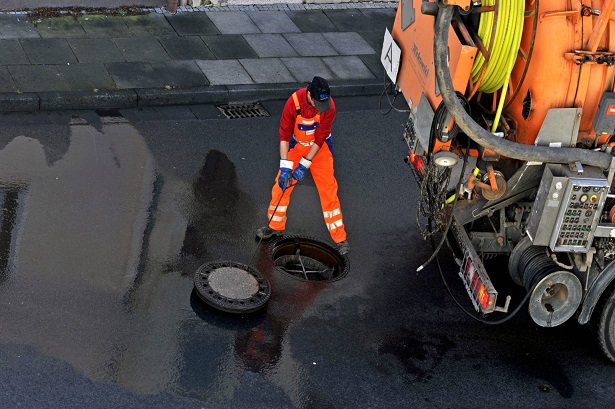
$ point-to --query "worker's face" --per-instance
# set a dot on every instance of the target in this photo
(309, 99)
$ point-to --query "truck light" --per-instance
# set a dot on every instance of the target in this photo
(416, 160)
(479, 288)
(469, 269)
(484, 298)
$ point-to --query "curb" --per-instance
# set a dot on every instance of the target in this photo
(59, 100)
(155, 97)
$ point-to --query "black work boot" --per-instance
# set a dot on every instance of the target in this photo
(343, 247)
(267, 232)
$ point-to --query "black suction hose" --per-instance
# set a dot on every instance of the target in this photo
(482, 136)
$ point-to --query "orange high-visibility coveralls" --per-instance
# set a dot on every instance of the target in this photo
(306, 132)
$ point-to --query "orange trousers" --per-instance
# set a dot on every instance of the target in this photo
(322, 173)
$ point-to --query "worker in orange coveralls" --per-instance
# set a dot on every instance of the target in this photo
(305, 143)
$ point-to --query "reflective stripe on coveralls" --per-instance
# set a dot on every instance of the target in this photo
(323, 175)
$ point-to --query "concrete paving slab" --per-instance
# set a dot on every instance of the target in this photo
(82, 77)
(37, 78)
(48, 51)
(59, 27)
(310, 44)
(233, 22)
(133, 75)
(348, 43)
(272, 50)
(349, 20)
(348, 67)
(224, 72)
(94, 50)
(229, 46)
(374, 39)
(305, 68)
(311, 21)
(188, 24)
(273, 22)
(380, 17)
(97, 26)
(6, 82)
(267, 70)
(186, 48)
(180, 74)
(153, 24)
(374, 64)
(270, 45)
(16, 27)
(12, 53)
(142, 49)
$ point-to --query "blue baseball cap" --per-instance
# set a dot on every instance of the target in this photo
(321, 94)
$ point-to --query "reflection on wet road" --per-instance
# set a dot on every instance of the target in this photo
(106, 218)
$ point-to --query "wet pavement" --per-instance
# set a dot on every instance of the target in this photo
(107, 215)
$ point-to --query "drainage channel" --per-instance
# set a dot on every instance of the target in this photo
(238, 111)
(308, 259)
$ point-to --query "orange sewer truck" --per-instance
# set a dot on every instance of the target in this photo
(511, 138)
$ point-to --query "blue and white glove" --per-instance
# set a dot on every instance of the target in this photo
(286, 173)
(329, 142)
(304, 165)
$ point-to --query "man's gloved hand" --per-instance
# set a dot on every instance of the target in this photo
(304, 165)
(286, 173)
(329, 142)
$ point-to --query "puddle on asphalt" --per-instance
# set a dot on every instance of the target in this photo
(75, 217)
(80, 226)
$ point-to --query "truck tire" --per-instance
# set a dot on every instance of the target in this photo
(603, 325)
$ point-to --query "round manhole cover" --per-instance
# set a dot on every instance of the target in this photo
(307, 259)
(232, 287)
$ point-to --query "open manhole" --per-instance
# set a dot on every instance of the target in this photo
(232, 287)
(236, 111)
(307, 259)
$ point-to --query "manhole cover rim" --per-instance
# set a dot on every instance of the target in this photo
(343, 262)
(220, 302)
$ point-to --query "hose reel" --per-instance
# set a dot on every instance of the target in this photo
(555, 293)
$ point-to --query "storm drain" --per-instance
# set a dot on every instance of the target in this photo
(308, 259)
(232, 287)
(237, 111)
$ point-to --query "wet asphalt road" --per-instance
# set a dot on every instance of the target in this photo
(106, 218)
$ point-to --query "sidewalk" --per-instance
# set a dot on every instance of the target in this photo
(197, 56)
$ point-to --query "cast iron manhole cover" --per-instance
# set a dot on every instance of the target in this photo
(236, 111)
(307, 259)
(232, 287)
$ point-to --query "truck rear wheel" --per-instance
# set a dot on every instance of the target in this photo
(603, 325)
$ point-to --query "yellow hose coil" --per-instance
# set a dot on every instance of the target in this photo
(504, 49)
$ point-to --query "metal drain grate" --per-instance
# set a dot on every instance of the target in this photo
(237, 111)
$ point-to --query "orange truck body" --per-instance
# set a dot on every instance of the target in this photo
(556, 75)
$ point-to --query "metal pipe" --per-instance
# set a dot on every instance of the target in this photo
(480, 135)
